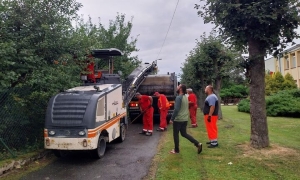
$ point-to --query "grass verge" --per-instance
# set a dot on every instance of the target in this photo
(234, 158)
(18, 173)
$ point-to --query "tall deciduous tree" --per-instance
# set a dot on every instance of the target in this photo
(33, 34)
(262, 25)
(208, 63)
(118, 35)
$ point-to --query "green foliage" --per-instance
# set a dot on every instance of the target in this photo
(276, 82)
(33, 34)
(289, 82)
(261, 26)
(236, 76)
(244, 105)
(272, 23)
(235, 91)
(284, 103)
(42, 54)
(208, 61)
(88, 36)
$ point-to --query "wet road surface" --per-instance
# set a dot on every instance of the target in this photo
(129, 160)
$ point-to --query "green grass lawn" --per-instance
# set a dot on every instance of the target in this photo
(280, 161)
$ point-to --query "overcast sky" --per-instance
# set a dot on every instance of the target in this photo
(151, 20)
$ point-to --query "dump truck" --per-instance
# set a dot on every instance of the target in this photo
(164, 84)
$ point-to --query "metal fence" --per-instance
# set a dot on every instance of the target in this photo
(21, 122)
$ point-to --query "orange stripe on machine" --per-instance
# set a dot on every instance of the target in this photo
(93, 132)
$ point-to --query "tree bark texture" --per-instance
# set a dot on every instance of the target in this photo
(201, 93)
(259, 128)
(200, 98)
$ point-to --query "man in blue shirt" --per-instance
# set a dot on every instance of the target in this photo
(210, 111)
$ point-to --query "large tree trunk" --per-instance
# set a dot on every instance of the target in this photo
(217, 88)
(201, 98)
(259, 128)
(201, 93)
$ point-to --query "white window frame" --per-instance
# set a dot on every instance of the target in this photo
(100, 112)
(294, 62)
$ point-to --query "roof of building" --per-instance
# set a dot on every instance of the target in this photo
(286, 50)
(293, 48)
(269, 58)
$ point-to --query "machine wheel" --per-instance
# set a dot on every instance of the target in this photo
(60, 153)
(122, 136)
(100, 150)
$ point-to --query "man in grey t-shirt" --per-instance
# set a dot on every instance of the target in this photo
(210, 111)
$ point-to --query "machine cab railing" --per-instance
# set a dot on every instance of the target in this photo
(93, 75)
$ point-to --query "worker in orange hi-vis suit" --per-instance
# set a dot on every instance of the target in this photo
(145, 104)
(163, 105)
(91, 75)
(91, 69)
(210, 111)
(192, 107)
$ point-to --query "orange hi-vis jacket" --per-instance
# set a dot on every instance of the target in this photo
(163, 102)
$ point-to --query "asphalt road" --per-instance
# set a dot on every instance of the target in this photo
(128, 160)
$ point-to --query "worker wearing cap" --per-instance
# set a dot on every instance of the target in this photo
(192, 107)
(145, 104)
(163, 106)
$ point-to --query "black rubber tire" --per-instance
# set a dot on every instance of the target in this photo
(122, 136)
(99, 152)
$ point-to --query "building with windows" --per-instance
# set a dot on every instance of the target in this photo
(289, 62)
(270, 64)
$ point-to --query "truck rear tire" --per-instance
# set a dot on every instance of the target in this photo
(99, 152)
(122, 136)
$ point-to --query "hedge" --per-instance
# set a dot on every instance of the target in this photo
(284, 103)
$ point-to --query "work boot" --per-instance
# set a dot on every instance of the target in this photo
(161, 129)
(213, 144)
(143, 132)
(199, 147)
(148, 134)
(193, 126)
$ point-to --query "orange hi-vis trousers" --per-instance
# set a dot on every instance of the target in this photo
(211, 127)
(148, 120)
(163, 119)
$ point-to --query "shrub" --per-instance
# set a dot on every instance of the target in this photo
(284, 103)
(236, 91)
(276, 82)
(244, 106)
